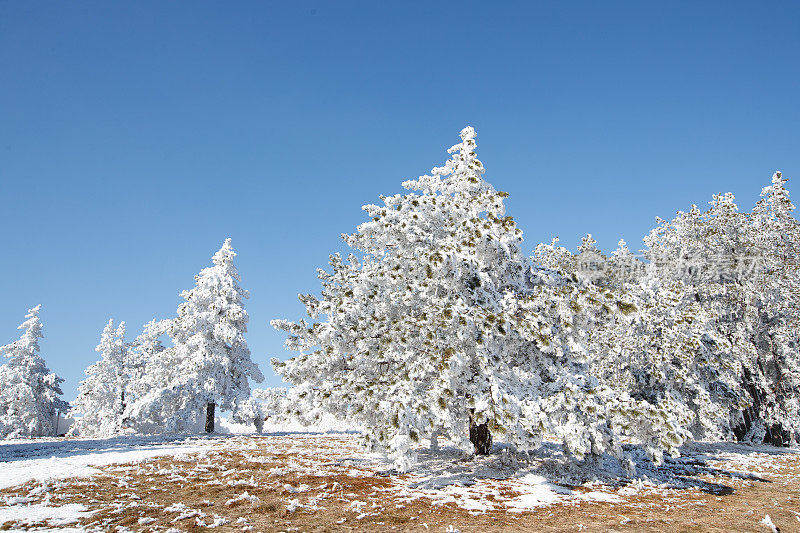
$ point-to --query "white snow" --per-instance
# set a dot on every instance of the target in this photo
(51, 515)
(55, 459)
(536, 492)
(767, 521)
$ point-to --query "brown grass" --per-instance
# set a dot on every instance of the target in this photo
(124, 496)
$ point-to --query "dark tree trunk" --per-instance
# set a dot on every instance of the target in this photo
(123, 423)
(210, 417)
(480, 437)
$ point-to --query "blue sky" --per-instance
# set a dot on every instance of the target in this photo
(135, 137)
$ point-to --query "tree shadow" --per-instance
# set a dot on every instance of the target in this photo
(700, 466)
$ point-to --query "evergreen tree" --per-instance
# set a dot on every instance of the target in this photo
(440, 328)
(712, 332)
(209, 361)
(29, 393)
(773, 374)
(101, 401)
(150, 373)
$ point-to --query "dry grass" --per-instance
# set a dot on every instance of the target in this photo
(143, 497)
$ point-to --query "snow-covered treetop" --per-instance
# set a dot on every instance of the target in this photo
(461, 174)
(588, 245)
(224, 260)
(112, 344)
(776, 196)
(28, 343)
(216, 301)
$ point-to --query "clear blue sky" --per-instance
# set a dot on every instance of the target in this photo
(135, 137)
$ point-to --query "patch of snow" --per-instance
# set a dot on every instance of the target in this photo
(293, 505)
(50, 515)
(767, 521)
(218, 521)
(536, 492)
(44, 460)
(597, 496)
(243, 497)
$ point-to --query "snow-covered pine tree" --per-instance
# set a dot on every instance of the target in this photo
(264, 404)
(439, 328)
(774, 374)
(210, 361)
(149, 373)
(101, 402)
(29, 393)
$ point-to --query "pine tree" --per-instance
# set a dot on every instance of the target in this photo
(210, 361)
(440, 328)
(29, 393)
(150, 372)
(101, 401)
(773, 374)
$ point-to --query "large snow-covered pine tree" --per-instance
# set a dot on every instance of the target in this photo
(29, 393)
(438, 328)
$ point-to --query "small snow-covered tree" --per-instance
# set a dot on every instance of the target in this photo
(263, 404)
(29, 393)
(209, 363)
(101, 402)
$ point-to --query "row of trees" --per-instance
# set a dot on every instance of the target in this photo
(438, 325)
(144, 386)
(147, 387)
(715, 316)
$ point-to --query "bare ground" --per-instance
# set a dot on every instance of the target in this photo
(326, 483)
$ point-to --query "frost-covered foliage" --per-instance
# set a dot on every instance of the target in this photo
(208, 362)
(149, 372)
(751, 288)
(264, 404)
(440, 324)
(713, 315)
(29, 393)
(100, 405)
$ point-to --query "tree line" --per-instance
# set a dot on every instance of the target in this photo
(144, 386)
(437, 325)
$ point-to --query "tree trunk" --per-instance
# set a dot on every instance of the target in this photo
(122, 410)
(210, 417)
(480, 437)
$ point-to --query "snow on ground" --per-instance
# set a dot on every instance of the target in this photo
(217, 481)
(52, 515)
(51, 459)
